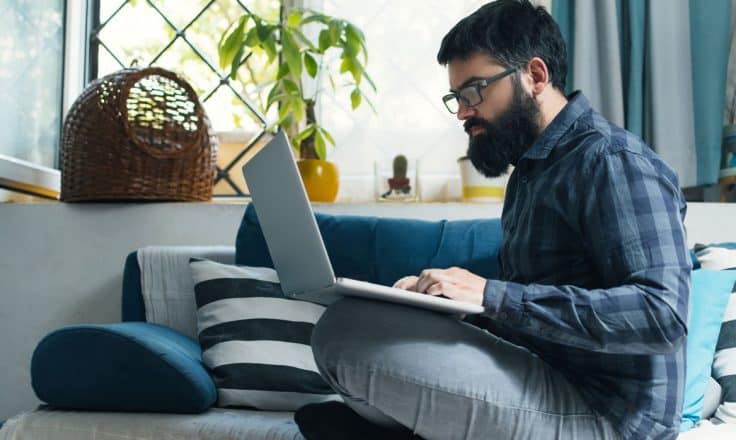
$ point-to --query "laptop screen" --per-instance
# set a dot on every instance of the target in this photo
(286, 218)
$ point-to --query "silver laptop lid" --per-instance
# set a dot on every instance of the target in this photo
(285, 215)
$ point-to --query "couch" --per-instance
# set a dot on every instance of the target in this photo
(129, 389)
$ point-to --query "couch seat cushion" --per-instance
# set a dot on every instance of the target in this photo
(215, 424)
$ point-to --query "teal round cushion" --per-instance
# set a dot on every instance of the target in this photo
(131, 366)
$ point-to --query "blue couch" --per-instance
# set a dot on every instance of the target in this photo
(136, 377)
(139, 379)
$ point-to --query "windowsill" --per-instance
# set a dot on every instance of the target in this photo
(25, 177)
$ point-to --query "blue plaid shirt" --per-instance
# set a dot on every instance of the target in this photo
(595, 270)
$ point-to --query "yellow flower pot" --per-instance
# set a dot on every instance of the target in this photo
(321, 179)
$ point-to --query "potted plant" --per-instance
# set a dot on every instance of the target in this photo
(299, 58)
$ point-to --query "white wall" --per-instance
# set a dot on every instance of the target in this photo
(62, 264)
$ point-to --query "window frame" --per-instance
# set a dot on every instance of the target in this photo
(79, 67)
(21, 176)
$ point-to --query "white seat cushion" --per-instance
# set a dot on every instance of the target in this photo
(215, 424)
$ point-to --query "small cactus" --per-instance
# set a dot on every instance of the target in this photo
(400, 166)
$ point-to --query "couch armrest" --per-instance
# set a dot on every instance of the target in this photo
(130, 366)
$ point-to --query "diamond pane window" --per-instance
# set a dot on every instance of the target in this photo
(182, 36)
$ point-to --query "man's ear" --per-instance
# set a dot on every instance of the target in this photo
(538, 75)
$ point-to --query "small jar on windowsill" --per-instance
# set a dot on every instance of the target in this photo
(396, 181)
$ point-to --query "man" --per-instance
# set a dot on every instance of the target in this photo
(583, 335)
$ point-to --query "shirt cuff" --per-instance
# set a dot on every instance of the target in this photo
(502, 301)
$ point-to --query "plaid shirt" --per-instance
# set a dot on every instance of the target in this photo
(595, 270)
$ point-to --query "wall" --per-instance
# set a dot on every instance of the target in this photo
(62, 263)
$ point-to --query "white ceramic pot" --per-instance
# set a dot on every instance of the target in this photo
(478, 188)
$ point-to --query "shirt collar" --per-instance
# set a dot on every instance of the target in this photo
(576, 106)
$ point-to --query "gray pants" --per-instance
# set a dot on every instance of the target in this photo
(445, 379)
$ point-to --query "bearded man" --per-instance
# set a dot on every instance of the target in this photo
(583, 333)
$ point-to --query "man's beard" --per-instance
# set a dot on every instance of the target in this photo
(506, 138)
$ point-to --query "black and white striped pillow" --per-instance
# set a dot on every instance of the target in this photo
(724, 361)
(255, 341)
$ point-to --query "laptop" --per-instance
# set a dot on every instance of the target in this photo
(295, 243)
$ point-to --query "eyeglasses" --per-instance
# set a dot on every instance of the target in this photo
(470, 95)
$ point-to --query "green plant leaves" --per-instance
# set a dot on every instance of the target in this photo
(356, 97)
(354, 41)
(304, 40)
(319, 145)
(270, 46)
(327, 136)
(335, 30)
(291, 87)
(303, 134)
(291, 53)
(236, 62)
(310, 64)
(295, 17)
(230, 43)
(297, 52)
(314, 17)
(324, 40)
(284, 113)
(251, 39)
(351, 65)
(274, 95)
(263, 30)
(283, 71)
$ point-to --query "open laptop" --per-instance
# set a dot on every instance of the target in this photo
(295, 243)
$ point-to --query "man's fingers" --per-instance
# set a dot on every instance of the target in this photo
(441, 288)
(429, 277)
(406, 283)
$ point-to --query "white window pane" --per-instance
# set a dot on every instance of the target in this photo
(402, 39)
(31, 63)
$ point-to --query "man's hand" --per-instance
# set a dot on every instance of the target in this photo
(454, 283)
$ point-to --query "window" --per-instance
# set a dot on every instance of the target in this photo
(31, 99)
(410, 117)
(182, 36)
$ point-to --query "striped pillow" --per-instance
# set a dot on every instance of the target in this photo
(724, 362)
(255, 341)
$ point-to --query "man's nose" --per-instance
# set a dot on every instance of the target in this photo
(465, 111)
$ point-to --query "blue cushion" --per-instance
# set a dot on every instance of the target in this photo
(382, 250)
(708, 300)
(132, 366)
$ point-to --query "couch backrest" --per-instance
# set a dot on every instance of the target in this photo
(379, 250)
(382, 250)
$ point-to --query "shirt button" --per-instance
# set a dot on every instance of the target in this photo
(524, 179)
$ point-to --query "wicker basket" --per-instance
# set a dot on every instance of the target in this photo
(137, 134)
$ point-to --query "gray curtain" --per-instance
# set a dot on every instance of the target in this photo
(658, 68)
(597, 65)
(669, 83)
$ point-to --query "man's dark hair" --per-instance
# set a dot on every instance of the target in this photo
(512, 32)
